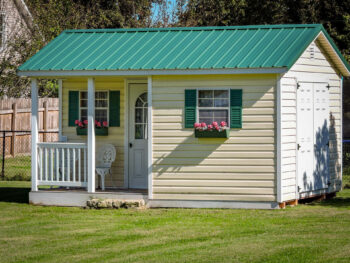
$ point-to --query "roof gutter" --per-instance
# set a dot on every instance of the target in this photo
(96, 73)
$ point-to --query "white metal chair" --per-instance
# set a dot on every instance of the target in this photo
(105, 157)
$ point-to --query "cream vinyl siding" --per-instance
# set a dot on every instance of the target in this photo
(116, 134)
(308, 67)
(242, 167)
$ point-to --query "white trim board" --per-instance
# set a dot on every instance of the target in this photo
(155, 203)
(95, 73)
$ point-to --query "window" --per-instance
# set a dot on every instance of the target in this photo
(213, 105)
(101, 105)
(141, 109)
(2, 30)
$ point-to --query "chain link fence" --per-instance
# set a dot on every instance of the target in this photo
(15, 153)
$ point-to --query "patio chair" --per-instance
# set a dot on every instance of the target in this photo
(105, 157)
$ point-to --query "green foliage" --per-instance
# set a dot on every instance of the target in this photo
(333, 14)
(51, 17)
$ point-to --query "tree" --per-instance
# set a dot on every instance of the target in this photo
(333, 14)
(51, 17)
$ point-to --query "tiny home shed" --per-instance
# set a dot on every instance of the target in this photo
(278, 88)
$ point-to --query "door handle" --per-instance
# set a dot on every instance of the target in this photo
(130, 145)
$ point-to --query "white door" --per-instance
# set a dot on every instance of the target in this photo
(313, 136)
(321, 135)
(138, 171)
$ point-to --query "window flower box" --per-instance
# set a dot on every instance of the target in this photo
(100, 130)
(212, 134)
(202, 130)
(103, 131)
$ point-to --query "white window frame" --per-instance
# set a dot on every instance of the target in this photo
(214, 108)
(3, 35)
(96, 108)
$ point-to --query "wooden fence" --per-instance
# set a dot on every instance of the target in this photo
(15, 115)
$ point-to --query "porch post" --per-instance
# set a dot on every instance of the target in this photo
(35, 128)
(60, 110)
(91, 135)
(149, 131)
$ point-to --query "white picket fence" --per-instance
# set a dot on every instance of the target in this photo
(62, 164)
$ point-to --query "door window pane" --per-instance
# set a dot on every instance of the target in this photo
(141, 117)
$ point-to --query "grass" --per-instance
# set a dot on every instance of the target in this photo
(318, 232)
(17, 168)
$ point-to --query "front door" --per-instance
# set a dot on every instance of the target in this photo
(313, 136)
(138, 108)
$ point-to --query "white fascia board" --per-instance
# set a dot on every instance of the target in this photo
(324, 38)
(96, 73)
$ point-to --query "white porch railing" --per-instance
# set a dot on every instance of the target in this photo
(62, 164)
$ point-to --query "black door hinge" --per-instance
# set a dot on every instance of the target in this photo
(298, 146)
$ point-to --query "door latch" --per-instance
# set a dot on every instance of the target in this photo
(298, 146)
(130, 145)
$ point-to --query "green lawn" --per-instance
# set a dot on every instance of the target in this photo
(318, 232)
(17, 168)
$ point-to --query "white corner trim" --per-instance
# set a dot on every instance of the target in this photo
(35, 136)
(95, 73)
(126, 134)
(149, 128)
(341, 130)
(279, 135)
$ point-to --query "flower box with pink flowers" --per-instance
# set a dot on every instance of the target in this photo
(214, 130)
(100, 129)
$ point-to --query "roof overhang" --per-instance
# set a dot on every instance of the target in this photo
(333, 54)
(101, 73)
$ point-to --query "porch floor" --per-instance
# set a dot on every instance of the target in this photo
(79, 196)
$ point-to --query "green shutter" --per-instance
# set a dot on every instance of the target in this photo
(190, 107)
(114, 108)
(236, 108)
(73, 107)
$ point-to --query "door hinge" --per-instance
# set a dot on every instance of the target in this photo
(298, 146)
(298, 85)
(327, 144)
(328, 87)
(299, 188)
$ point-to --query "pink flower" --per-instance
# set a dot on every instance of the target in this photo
(85, 122)
(215, 123)
(197, 125)
(98, 124)
(95, 122)
(105, 124)
(76, 122)
(203, 124)
(223, 124)
(210, 127)
(217, 128)
(80, 124)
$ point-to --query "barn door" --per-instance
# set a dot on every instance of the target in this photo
(313, 136)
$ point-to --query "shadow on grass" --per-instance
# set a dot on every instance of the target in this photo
(14, 194)
(343, 202)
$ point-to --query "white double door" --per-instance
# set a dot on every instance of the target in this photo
(313, 136)
(138, 136)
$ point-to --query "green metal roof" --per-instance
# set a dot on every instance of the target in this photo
(265, 46)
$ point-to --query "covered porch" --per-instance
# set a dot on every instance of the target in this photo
(68, 167)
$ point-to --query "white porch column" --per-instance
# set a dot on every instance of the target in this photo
(60, 110)
(35, 136)
(91, 135)
(149, 131)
